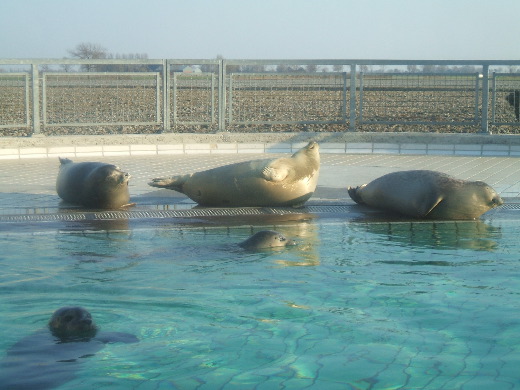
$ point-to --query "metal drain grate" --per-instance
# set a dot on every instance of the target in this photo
(190, 213)
(156, 214)
(509, 206)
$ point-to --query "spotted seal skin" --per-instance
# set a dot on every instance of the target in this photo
(286, 181)
(93, 184)
(51, 357)
(266, 239)
(427, 194)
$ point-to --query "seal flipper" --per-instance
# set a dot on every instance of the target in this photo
(427, 203)
(172, 183)
(271, 173)
(353, 192)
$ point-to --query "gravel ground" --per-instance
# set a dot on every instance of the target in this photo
(115, 107)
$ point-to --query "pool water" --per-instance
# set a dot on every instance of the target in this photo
(354, 305)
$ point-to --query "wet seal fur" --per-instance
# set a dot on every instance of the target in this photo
(92, 184)
(266, 239)
(427, 195)
(286, 181)
(50, 357)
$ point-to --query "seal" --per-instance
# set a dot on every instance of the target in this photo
(72, 322)
(286, 181)
(266, 239)
(427, 194)
(92, 184)
(50, 357)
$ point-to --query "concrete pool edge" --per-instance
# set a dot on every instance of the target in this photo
(406, 143)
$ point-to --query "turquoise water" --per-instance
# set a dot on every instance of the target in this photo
(353, 306)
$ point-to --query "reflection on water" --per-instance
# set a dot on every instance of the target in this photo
(473, 235)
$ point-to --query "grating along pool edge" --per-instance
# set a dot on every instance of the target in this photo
(317, 210)
(158, 214)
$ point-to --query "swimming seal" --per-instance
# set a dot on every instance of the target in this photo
(286, 181)
(427, 194)
(92, 184)
(51, 357)
(266, 239)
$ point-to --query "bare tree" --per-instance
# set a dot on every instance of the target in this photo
(87, 51)
(312, 68)
(364, 68)
(411, 68)
(337, 68)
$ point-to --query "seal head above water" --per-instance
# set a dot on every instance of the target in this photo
(266, 239)
(72, 322)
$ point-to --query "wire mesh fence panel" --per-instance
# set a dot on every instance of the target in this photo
(14, 100)
(398, 98)
(194, 99)
(116, 96)
(255, 98)
(505, 103)
(83, 99)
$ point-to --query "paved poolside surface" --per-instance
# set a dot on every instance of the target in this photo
(28, 195)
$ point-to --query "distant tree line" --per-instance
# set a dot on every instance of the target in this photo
(87, 50)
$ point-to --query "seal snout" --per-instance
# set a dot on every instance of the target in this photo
(497, 201)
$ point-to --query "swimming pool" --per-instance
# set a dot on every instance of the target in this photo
(355, 305)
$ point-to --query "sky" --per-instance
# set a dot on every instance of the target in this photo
(265, 29)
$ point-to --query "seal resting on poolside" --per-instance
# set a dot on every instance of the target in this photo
(92, 184)
(266, 239)
(286, 181)
(427, 194)
(51, 357)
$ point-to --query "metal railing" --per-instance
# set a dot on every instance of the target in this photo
(46, 96)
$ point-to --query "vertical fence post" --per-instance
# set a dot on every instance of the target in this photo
(174, 81)
(166, 95)
(361, 74)
(485, 99)
(344, 102)
(493, 97)
(352, 119)
(221, 95)
(230, 104)
(35, 98)
(212, 98)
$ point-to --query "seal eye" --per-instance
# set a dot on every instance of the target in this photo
(67, 318)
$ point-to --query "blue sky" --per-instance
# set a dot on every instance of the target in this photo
(265, 29)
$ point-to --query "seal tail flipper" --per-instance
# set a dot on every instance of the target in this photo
(171, 183)
(354, 194)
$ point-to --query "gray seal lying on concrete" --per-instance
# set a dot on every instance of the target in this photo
(427, 194)
(92, 184)
(266, 239)
(286, 181)
(51, 357)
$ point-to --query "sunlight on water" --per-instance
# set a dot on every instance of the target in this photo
(352, 306)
